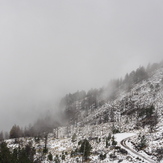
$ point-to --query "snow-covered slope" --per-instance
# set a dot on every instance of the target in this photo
(121, 115)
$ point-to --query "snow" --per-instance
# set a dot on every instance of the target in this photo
(120, 136)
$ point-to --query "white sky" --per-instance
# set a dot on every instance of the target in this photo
(49, 48)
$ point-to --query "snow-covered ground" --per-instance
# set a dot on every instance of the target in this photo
(120, 136)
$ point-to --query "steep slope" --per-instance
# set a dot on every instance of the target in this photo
(128, 128)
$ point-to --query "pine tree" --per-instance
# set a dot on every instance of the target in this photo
(50, 157)
(1, 136)
(85, 149)
(5, 154)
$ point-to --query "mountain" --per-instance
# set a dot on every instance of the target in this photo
(121, 122)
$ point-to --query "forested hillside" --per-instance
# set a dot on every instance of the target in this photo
(120, 122)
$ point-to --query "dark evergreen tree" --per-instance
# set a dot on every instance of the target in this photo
(102, 156)
(142, 142)
(113, 141)
(5, 154)
(15, 132)
(85, 149)
(50, 157)
(1, 136)
(24, 155)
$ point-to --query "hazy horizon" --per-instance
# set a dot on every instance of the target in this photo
(50, 48)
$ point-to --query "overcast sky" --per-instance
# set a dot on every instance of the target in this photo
(50, 48)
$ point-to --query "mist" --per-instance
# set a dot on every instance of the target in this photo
(51, 48)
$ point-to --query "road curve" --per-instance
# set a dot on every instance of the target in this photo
(123, 143)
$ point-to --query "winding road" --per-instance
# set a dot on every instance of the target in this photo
(124, 144)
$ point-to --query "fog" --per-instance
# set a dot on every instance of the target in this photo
(50, 48)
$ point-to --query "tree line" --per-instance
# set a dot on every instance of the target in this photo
(41, 126)
(94, 98)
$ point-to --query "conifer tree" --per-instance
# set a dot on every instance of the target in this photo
(85, 149)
